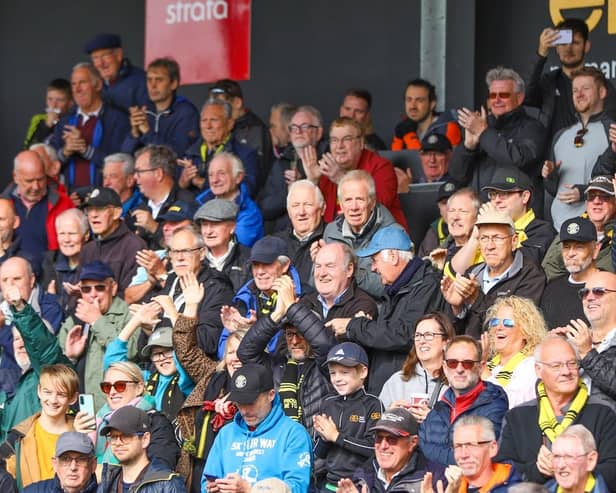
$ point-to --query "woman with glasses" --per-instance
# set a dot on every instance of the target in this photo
(421, 380)
(167, 381)
(207, 408)
(123, 385)
(514, 329)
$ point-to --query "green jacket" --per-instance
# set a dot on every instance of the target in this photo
(43, 349)
(554, 266)
(101, 333)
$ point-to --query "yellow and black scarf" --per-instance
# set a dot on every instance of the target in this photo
(588, 487)
(548, 424)
(290, 384)
(503, 377)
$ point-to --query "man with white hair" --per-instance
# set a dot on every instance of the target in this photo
(119, 175)
(574, 458)
(226, 179)
(90, 131)
(508, 136)
(305, 208)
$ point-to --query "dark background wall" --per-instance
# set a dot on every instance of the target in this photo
(302, 51)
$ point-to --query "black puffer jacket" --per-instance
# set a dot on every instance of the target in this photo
(389, 338)
(514, 139)
(53, 486)
(352, 301)
(316, 377)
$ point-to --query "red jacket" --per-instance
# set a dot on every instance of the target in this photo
(382, 171)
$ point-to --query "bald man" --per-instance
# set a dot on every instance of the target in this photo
(596, 343)
(36, 205)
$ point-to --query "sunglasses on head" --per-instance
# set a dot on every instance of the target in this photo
(467, 364)
(118, 385)
(507, 322)
(598, 292)
(99, 288)
(499, 95)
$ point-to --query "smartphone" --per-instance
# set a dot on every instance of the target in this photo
(565, 37)
(86, 405)
(209, 477)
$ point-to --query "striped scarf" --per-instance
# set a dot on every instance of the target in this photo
(503, 377)
(288, 391)
(548, 424)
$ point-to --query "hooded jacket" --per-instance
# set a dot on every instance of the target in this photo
(277, 448)
(158, 478)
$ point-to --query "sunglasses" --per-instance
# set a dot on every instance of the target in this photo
(390, 439)
(507, 322)
(467, 364)
(118, 385)
(99, 288)
(499, 95)
(578, 140)
(598, 292)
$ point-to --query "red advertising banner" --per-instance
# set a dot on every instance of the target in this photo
(210, 39)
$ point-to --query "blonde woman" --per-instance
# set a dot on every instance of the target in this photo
(515, 328)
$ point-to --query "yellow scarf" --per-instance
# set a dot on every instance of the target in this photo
(590, 484)
(548, 424)
(521, 224)
(504, 375)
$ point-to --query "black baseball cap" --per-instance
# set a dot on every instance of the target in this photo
(435, 142)
(128, 419)
(103, 197)
(178, 211)
(578, 229)
(509, 179)
(103, 41)
(249, 381)
(268, 249)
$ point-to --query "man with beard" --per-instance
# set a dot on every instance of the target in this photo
(560, 302)
(551, 91)
(578, 148)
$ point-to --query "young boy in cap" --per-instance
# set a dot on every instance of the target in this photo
(128, 435)
(74, 464)
(34, 439)
(356, 412)
(261, 442)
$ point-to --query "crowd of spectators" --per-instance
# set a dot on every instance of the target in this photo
(194, 300)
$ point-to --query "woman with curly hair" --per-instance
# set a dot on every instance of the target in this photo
(515, 327)
(422, 372)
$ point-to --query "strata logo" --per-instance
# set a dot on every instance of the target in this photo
(207, 10)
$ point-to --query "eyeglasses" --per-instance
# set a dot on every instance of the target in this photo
(578, 140)
(161, 356)
(601, 197)
(470, 445)
(467, 364)
(501, 194)
(559, 366)
(597, 292)
(334, 141)
(304, 127)
(498, 240)
(121, 437)
(66, 460)
(569, 459)
(118, 385)
(427, 336)
(99, 288)
(183, 252)
(390, 439)
(499, 95)
(507, 322)
(141, 171)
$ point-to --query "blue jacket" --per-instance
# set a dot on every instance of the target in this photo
(248, 296)
(109, 133)
(128, 90)
(118, 351)
(436, 432)
(278, 448)
(247, 155)
(158, 478)
(53, 486)
(176, 127)
(249, 223)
